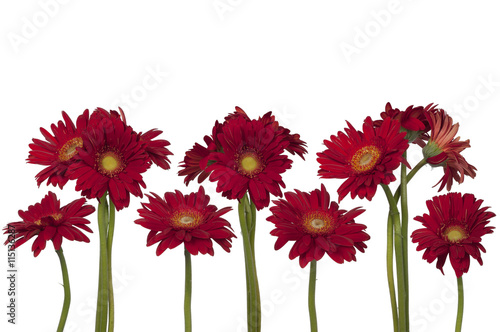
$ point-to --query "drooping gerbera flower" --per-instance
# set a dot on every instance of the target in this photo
(47, 220)
(444, 150)
(59, 149)
(252, 161)
(454, 227)
(187, 219)
(317, 226)
(112, 159)
(366, 159)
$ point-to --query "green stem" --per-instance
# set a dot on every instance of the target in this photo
(103, 293)
(460, 312)
(398, 239)
(251, 217)
(390, 272)
(312, 296)
(187, 292)
(67, 292)
(404, 232)
(410, 176)
(111, 231)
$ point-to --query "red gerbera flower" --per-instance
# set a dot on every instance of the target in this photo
(59, 149)
(454, 226)
(366, 158)
(112, 159)
(317, 226)
(187, 219)
(252, 161)
(48, 221)
(156, 148)
(443, 150)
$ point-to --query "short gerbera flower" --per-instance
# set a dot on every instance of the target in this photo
(111, 159)
(59, 149)
(454, 227)
(317, 226)
(444, 150)
(187, 219)
(47, 220)
(252, 161)
(366, 159)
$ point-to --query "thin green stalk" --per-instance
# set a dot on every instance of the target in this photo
(111, 231)
(251, 217)
(390, 272)
(399, 258)
(460, 312)
(67, 292)
(187, 292)
(404, 232)
(103, 293)
(410, 176)
(312, 295)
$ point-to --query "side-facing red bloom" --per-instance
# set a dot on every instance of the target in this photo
(454, 226)
(187, 219)
(366, 159)
(317, 226)
(47, 220)
(59, 149)
(252, 161)
(444, 150)
(111, 159)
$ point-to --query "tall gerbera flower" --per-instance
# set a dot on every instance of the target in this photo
(366, 159)
(252, 160)
(454, 227)
(444, 150)
(58, 150)
(48, 221)
(317, 226)
(112, 160)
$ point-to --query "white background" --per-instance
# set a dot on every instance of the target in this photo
(180, 65)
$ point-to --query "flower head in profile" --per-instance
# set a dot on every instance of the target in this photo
(112, 160)
(58, 150)
(252, 160)
(444, 150)
(317, 226)
(454, 226)
(48, 221)
(365, 159)
(188, 219)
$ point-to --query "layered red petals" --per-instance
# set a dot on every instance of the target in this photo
(317, 226)
(189, 219)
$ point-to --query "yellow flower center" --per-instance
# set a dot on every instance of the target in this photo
(186, 219)
(110, 163)
(249, 163)
(455, 233)
(68, 150)
(317, 222)
(365, 159)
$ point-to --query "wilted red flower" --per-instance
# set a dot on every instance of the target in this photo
(454, 226)
(187, 219)
(317, 226)
(443, 150)
(252, 161)
(48, 221)
(366, 159)
(112, 159)
(59, 149)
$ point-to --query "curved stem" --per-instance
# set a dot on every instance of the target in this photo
(390, 272)
(111, 231)
(404, 233)
(187, 292)
(460, 312)
(67, 292)
(410, 176)
(102, 294)
(312, 296)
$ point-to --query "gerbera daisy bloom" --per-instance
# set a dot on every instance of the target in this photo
(444, 150)
(252, 161)
(58, 150)
(454, 227)
(112, 159)
(187, 219)
(317, 226)
(366, 159)
(47, 220)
